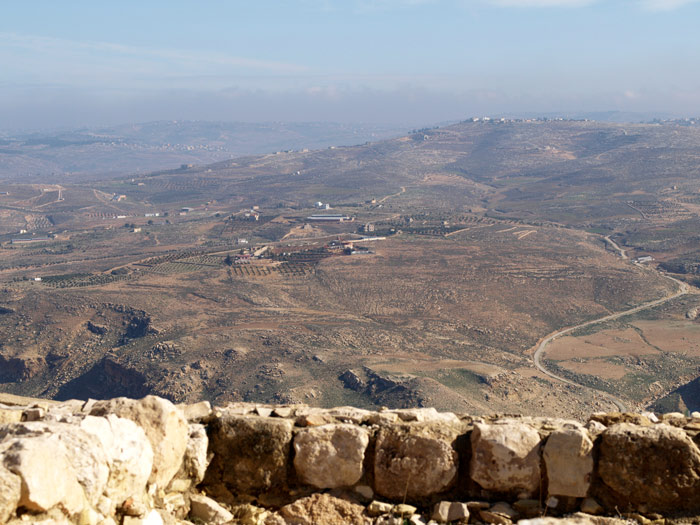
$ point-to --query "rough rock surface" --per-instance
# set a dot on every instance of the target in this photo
(446, 511)
(76, 463)
(129, 455)
(505, 457)
(196, 461)
(10, 492)
(208, 510)
(48, 478)
(250, 452)
(414, 461)
(83, 451)
(323, 509)
(164, 425)
(568, 456)
(655, 466)
(330, 456)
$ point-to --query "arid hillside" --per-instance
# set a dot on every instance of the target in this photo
(452, 253)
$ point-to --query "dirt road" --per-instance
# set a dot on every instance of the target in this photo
(615, 246)
(539, 352)
(403, 190)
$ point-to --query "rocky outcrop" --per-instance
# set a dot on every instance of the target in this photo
(147, 461)
(19, 369)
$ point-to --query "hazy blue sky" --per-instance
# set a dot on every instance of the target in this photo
(403, 61)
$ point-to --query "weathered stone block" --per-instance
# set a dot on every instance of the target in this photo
(10, 491)
(414, 461)
(330, 456)
(505, 457)
(48, 478)
(447, 511)
(10, 415)
(568, 456)
(164, 425)
(196, 461)
(129, 455)
(207, 510)
(250, 452)
(657, 467)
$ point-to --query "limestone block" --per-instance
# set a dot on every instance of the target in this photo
(441, 511)
(196, 460)
(377, 508)
(208, 510)
(458, 511)
(447, 511)
(330, 456)
(426, 415)
(152, 518)
(164, 425)
(323, 509)
(10, 415)
(568, 456)
(196, 411)
(48, 478)
(283, 411)
(87, 456)
(129, 455)
(414, 461)
(350, 414)
(10, 492)
(250, 452)
(404, 510)
(657, 467)
(83, 451)
(505, 457)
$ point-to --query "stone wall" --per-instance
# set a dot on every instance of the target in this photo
(149, 461)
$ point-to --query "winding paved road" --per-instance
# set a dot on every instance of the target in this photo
(539, 352)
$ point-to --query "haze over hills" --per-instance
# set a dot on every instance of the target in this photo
(460, 249)
(76, 154)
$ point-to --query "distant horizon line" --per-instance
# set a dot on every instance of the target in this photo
(607, 116)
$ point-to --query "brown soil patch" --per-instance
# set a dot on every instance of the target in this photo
(602, 344)
(596, 368)
(673, 336)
